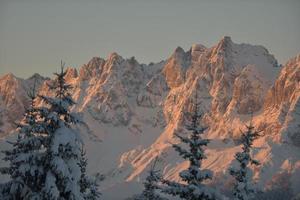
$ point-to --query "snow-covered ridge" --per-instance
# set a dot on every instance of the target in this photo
(137, 108)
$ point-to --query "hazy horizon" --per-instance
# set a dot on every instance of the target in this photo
(36, 35)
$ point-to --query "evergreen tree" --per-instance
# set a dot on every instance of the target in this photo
(88, 186)
(46, 161)
(193, 187)
(63, 151)
(151, 185)
(26, 163)
(244, 188)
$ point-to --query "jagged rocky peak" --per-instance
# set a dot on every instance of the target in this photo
(179, 52)
(71, 73)
(196, 51)
(286, 88)
(13, 98)
(176, 66)
(180, 56)
(13, 90)
(36, 76)
(119, 80)
(114, 57)
(7, 77)
(292, 67)
(92, 69)
(198, 47)
(95, 61)
(35, 81)
(294, 61)
(112, 63)
(8, 84)
(224, 43)
(237, 75)
(226, 40)
(283, 102)
(122, 69)
(132, 61)
(234, 57)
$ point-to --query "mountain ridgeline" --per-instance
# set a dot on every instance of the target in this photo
(133, 111)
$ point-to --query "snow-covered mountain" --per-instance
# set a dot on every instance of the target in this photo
(14, 99)
(132, 111)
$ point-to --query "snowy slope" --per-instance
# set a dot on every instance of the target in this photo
(132, 111)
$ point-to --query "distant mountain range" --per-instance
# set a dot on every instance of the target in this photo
(132, 111)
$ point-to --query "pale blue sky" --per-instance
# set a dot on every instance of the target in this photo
(36, 34)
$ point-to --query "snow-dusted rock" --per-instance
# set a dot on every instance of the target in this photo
(92, 69)
(135, 107)
(14, 99)
(176, 66)
(283, 101)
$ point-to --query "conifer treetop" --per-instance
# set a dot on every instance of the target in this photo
(193, 186)
(244, 188)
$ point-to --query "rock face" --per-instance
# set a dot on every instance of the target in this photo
(92, 69)
(14, 100)
(283, 101)
(176, 66)
(286, 87)
(248, 91)
(137, 108)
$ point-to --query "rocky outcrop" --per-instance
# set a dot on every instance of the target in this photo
(248, 92)
(286, 87)
(283, 101)
(176, 66)
(92, 69)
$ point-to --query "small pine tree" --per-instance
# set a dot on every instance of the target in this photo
(26, 163)
(88, 186)
(63, 145)
(244, 188)
(193, 177)
(151, 185)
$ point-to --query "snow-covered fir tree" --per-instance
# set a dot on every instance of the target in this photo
(151, 185)
(26, 158)
(243, 187)
(192, 187)
(63, 152)
(88, 186)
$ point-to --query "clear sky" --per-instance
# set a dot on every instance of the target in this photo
(36, 34)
